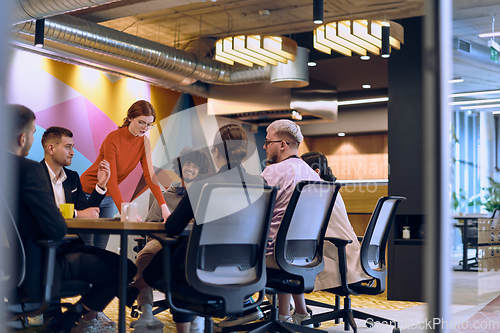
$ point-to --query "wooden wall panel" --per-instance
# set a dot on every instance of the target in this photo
(359, 222)
(362, 198)
(354, 157)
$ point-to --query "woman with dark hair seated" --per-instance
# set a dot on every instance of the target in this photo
(340, 227)
(229, 150)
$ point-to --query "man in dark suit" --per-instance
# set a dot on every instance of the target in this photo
(58, 146)
(37, 217)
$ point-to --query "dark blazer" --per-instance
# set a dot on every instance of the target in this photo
(37, 217)
(73, 190)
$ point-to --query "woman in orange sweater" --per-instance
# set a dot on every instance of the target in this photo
(123, 149)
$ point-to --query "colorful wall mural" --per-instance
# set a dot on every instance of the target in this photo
(92, 104)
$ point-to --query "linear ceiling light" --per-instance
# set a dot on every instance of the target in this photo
(364, 101)
(460, 80)
(473, 107)
(474, 93)
(255, 49)
(476, 101)
(490, 34)
(358, 36)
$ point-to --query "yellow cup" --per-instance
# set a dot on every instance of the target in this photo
(67, 210)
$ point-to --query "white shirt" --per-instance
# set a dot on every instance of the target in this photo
(57, 185)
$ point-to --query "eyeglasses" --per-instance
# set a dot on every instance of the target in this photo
(144, 124)
(267, 142)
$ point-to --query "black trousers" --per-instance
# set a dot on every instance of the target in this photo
(97, 267)
(154, 273)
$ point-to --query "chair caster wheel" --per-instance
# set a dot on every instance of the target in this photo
(134, 314)
(369, 324)
(316, 325)
(396, 330)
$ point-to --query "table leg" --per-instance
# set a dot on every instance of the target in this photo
(122, 283)
(465, 239)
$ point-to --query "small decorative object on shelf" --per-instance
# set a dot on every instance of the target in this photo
(406, 232)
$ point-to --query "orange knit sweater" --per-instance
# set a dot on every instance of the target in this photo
(123, 151)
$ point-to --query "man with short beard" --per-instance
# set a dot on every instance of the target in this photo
(284, 171)
(58, 150)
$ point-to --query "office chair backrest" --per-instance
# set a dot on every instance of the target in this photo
(226, 250)
(376, 236)
(299, 240)
(14, 267)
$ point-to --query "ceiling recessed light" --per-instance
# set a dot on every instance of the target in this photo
(365, 57)
(341, 134)
(311, 64)
(366, 86)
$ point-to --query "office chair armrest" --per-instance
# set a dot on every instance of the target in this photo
(341, 244)
(164, 239)
(338, 242)
(49, 269)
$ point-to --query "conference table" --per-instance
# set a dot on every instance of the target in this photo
(123, 229)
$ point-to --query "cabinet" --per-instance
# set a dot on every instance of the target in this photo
(405, 264)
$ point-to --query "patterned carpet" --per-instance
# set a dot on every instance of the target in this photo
(371, 302)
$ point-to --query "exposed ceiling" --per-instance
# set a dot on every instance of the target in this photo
(176, 23)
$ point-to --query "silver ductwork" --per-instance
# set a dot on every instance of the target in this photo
(86, 35)
(26, 10)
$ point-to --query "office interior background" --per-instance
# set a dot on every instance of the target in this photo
(377, 148)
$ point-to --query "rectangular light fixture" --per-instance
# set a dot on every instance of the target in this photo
(474, 93)
(456, 81)
(473, 107)
(364, 101)
(477, 101)
(490, 34)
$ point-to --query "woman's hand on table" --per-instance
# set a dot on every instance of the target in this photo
(89, 213)
(165, 213)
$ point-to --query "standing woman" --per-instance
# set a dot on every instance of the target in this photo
(123, 149)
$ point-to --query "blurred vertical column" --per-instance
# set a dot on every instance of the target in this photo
(437, 60)
(6, 173)
(486, 147)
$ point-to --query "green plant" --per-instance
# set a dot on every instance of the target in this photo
(491, 200)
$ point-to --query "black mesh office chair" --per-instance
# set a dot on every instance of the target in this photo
(298, 250)
(225, 259)
(373, 263)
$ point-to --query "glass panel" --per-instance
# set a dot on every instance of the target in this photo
(475, 253)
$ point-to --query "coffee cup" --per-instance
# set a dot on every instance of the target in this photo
(129, 212)
(67, 210)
